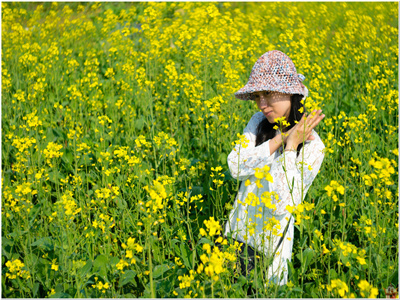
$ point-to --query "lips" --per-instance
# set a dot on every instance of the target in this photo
(267, 113)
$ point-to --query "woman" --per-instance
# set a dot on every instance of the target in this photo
(259, 215)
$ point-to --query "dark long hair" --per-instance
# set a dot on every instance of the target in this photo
(265, 130)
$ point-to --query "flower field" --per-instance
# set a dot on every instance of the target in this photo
(117, 120)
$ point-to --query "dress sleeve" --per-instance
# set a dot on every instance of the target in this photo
(241, 160)
(310, 163)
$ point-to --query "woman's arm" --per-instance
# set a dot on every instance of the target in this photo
(295, 177)
(242, 161)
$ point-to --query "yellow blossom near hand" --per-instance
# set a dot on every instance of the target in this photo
(282, 121)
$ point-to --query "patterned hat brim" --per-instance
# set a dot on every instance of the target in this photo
(246, 92)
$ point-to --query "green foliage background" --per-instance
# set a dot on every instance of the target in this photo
(148, 88)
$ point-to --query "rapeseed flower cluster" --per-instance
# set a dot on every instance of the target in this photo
(102, 287)
(213, 262)
(213, 228)
(367, 290)
(272, 226)
(242, 141)
(15, 269)
(368, 229)
(68, 203)
(157, 194)
(218, 177)
(349, 253)
(269, 199)
(186, 280)
(339, 287)
(299, 211)
(384, 169)
(130, 248)
(263, 174)
(333, 190)
(52, 151)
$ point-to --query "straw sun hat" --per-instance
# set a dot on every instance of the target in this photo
(273, 71)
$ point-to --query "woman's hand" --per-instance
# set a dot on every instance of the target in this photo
(302, 130)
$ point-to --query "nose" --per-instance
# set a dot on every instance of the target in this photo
(263, 101)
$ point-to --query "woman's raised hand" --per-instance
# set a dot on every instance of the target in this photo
(302, 130)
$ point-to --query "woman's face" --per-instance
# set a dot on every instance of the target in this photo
(273, 104)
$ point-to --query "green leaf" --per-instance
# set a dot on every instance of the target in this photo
(100, 261)
(85, 269)
(121, 203)
(44, 243)
(196, 190)
(114, 260)
(33, 214)
(100, 265)
(228, 175)
(68, 157)
(139, 123)
(223, 158)
(175, 243)
(292, 272)
(57, 133)
(186, 255)
(54, 176)
(394, 278)
(333, 274)
(308, 255)
(160, 270)
(127, 277)
(204, 240)
(297, 289)
(303, 242)
(35, 289)
(7, 245)
(194, 161)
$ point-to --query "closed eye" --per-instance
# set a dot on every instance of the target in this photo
(257, 95)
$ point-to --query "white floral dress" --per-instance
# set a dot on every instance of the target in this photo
(241, 165)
